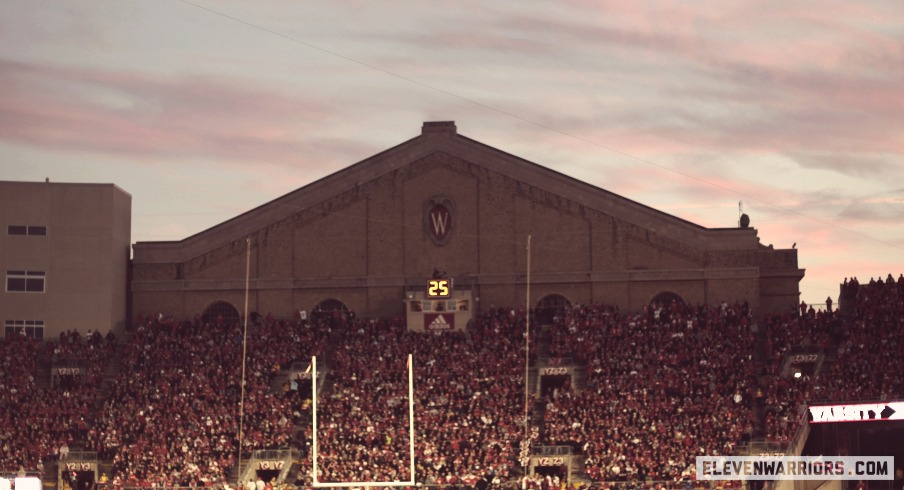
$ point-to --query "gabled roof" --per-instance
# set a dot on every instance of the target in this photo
(442, 136)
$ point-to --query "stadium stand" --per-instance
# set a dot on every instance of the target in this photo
(663, 386)
(468, 398)
(864, 352)
(172, 414)
(655, 388)
(42, 411)
(871, 346)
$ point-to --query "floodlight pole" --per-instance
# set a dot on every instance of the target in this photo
(238, 477)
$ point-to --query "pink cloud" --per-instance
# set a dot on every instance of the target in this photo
(796, 79)
(151, 117)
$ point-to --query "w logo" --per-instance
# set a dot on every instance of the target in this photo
(438, 220)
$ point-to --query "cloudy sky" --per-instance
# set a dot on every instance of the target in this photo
(202, 109)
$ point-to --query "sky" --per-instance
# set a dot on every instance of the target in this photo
(203, 110)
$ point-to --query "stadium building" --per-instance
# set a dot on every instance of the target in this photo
(64, 250)
(447, 208)
(435, 230)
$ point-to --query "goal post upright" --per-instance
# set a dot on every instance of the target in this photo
(314, 410)
(316, 481)
(411, 410)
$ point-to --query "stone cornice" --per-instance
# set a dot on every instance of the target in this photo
(467, 281)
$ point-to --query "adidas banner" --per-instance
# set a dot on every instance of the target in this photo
(436, 322)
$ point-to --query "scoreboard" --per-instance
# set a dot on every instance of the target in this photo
(438, 306)
(439, 288)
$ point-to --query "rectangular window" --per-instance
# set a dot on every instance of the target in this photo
(15, 283)
(26, 230)
(25, 281)
(33, 329)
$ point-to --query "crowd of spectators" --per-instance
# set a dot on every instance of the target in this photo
(37, 421)
(91, 352)
(784, 401)
(871, 349)
(659, 387)
(662, 386)
(173, 415)
(18, 445)
(469, 403)
(363, 429)
(784, 396)
(863, 348)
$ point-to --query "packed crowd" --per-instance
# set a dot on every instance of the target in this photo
(36, 422)
(783, 396)
(659, 352)
(468, 403)
(173, 415)
(363, 430)
(662, 387)
(19, 446)
(91, 351)
(871, 349)
(784, 401)
(864, 349)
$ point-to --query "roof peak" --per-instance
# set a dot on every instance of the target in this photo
(439, 127)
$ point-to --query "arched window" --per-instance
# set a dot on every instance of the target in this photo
(666, 298)
(550, 306)
(221, 311)
(330, 309)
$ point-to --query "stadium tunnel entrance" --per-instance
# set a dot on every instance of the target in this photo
(560, 470)
(268, 475)
(551, 385)
(78, 480)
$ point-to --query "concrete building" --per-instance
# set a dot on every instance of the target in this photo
(64, 250)
(369, 238)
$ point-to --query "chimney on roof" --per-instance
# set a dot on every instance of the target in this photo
(439, 127)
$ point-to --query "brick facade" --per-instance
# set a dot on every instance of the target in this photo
(362, 236)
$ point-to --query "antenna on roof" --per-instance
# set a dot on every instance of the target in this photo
(743, 219)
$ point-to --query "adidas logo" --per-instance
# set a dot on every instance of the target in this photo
(439, 323)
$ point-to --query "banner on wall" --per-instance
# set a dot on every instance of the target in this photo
(439, 322)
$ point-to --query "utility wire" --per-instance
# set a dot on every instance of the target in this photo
(543, 126)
